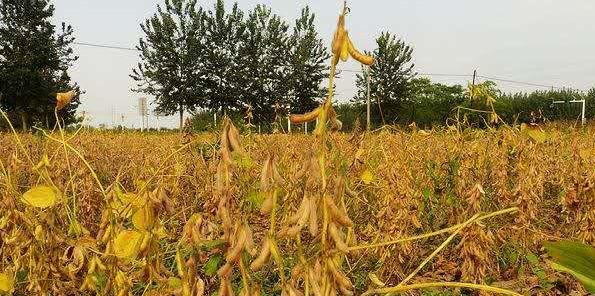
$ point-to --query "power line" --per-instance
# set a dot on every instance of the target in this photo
(519, 82)
(359, 71)
(105, 46)
(445, 75)
(423, 74)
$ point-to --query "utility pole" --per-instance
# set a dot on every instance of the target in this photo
(368, 97)
(143, 112)
(472, 90)
(474, 76)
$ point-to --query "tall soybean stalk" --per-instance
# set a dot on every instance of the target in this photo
(342, 48)
(333, 217)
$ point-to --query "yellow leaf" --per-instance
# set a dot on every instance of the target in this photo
(127, 244)
(41, 197)
(6, 283)
(375, 280)
(367, 177)
(136, 199)
(537, 134)
(586, 154)
(144, 218)
(161, 232)
(359, 155)
(174, 282)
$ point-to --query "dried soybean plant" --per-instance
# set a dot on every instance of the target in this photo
(323, 274)
(328, 277)
(237, 234)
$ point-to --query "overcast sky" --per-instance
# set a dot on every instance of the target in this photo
(548, 42)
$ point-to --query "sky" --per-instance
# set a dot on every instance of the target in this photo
(548, 42)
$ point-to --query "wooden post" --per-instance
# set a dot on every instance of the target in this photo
(368, 97)
(288, 125)
(584, 119)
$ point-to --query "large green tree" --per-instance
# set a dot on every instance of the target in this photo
(171, 67)
(223, 79)
(389, 78)
(308, 67)
(263, 59)
(34, 60)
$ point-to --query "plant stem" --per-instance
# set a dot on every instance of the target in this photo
(426, 235)
(84, 161)
(442, 246)
(440, 284)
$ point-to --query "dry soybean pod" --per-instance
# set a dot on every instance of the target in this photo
(263, 257)
(357, 55)
(313, 223)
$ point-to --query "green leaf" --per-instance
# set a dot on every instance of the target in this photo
(100, 279)
(212, 265)
(214, 244)
(426, 193)
(532, 258)
(255, 198)
(575, 258)
(174, 282)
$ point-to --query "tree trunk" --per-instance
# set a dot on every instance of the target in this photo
(181, 118)
(24, 121)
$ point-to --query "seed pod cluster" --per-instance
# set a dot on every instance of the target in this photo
(241, 240)
(90, 282)
(270, 180)
(230, 143)
(197, 230)
(307, 213)
(191, 283)
(342, 46)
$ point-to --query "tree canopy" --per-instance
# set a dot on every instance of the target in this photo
(390, 78)
(34, 62)
(225, 60)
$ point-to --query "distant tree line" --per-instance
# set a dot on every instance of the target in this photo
(207, 61)
(195, 59)
(252, 65)
(429, 104)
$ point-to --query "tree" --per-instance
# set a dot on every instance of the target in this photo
(34, 62)
(263, 59)
(172, 64)
(389, 78)
(431, 103)
(308, 58)
(223, 79)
